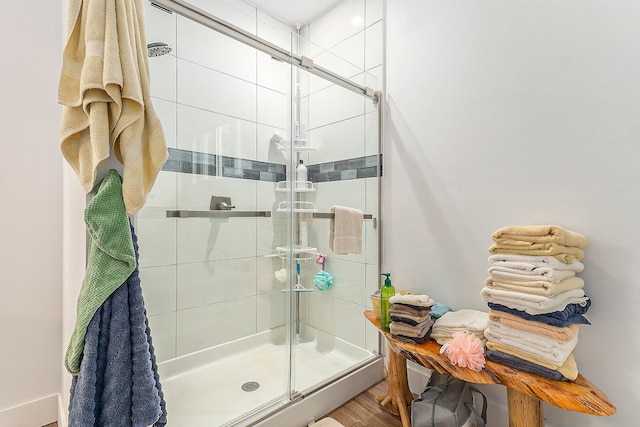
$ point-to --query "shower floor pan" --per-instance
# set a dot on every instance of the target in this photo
(206, 388)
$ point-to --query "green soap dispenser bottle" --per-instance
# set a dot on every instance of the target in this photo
(386, 292)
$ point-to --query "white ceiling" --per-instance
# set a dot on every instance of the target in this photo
(292, 11)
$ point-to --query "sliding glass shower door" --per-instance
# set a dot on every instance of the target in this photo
(229, 237)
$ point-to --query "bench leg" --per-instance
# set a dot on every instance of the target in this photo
(398, 396)
(524, 410)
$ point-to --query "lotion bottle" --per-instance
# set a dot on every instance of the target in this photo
(386, 291)
(301, 175)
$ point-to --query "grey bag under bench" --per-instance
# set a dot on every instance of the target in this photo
(448, 402)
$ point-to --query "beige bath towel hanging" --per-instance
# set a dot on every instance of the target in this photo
(105, 93)
(345, 230)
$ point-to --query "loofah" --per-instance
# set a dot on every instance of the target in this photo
(465, 350)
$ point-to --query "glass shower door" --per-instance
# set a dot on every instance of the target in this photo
(336, 138)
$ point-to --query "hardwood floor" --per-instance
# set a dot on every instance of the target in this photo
(361, 411)
(364, 411)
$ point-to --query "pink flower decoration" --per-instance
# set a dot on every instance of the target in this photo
(465, 350)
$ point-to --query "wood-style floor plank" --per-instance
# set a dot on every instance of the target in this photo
(364, 411)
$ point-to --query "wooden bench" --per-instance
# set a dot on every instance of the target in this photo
(525, 391)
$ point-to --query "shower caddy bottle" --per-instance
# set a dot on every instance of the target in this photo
(386, 291)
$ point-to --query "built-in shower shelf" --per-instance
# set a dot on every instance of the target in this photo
(299, 145)
(299, 254)
(299, 207)
(299, 187)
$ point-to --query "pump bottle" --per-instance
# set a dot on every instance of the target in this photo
(386, 291)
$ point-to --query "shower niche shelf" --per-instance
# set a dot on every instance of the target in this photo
(299, 145)
(298, 207)
(299, 254)
(299, 187)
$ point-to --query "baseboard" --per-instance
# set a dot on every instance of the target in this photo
(37, 413)
(62, 413)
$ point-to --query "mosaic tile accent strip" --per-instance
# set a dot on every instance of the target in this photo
(185, 161)
(341, 170)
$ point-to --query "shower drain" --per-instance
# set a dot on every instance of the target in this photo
(250, 386)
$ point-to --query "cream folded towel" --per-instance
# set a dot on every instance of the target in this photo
(535, 287)
(529, 262)
(345, 230)
(534, 304)
(547, 348)
(539, 234)
(414, 300)
(105, 92)
(565, 333)
(566, 254)
(469, 320)
(568, 369)
(538, 273)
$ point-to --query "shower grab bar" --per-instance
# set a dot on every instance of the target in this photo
(331, 215)
(218, 214)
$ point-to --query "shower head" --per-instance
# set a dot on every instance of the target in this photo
(158, 49)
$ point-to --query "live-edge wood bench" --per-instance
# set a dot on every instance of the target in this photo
(525, 391)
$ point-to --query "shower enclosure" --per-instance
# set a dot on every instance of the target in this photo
(228, 238)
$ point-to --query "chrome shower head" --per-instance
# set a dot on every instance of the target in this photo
(158, 49)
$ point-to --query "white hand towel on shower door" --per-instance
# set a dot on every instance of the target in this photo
(345, 230)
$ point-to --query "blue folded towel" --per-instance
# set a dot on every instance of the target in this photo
(118, 384)
(524, 365)
(572, 314)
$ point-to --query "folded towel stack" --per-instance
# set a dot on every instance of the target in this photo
(410, 317)
(469, 321)
(536, 299)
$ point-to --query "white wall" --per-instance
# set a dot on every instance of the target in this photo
(517, 113)
(30, 204)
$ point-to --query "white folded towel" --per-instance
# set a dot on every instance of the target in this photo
(534, 304)
(527, 262)
(538, 273)
(466, 319)
(415, 300)
(345, 230)
(545, 348)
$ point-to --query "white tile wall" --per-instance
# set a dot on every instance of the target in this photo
(373, 46)
(211, 282)
(157, 240)
(274, 74)
(372, 143)
(266, 150)
(204, 239)
(205, 326)
(272, 310)
(215, 91)
(374, 11)
(164, 332)
(166, 112)
(159, 289)
(273, 108)
(162, 71)
(208, 132)
(339, 24)
(337, 141)
(216, 51)
(274, 31)
(337, 317)
(333, 104)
